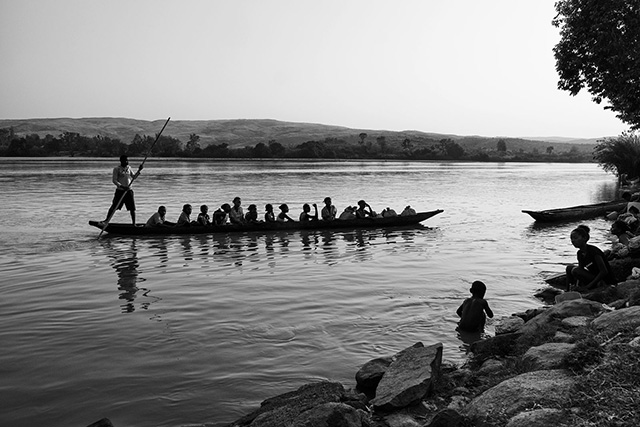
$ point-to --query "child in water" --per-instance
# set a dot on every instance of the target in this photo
(472, 311)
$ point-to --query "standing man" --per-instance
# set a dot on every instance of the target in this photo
(123, 176)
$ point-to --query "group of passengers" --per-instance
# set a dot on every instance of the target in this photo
(626, 228)
(228, 214)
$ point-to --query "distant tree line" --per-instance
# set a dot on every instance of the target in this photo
(365, 147)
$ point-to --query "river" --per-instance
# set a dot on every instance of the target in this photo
(175, 331)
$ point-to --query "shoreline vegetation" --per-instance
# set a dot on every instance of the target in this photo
(264, 139)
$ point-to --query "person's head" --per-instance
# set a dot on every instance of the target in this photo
(362, 203)
(327, 201)
(253, 208)
(186, 208)
(580, 236)
(124, 160)
(306, 207)
(619, 227)
(237, 201)
(226, 207)
(204, 208)
(268, 207)
(284, 207)
(162, 211)
(478, 289)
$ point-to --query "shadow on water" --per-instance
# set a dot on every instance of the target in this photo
(125, 262)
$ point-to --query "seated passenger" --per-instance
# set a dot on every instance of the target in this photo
(236, 215)
(157, 219)
(329, 211)
(185, 217)
(408, 211)
(348, 213)
(221, 214)
(282, 216)
(252, 215)
(203, 216)
(306, 216)
(269, 216)
(362, 211)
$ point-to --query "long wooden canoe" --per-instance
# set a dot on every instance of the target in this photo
(388, 222)
(577, 213)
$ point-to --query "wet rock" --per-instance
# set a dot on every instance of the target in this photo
(567, 296)
(332, 414)
(547, 294)
(548, 356)
(370, 374)
(531, 313)
(282, 410)
(578, 307)
(507, 325)
(500, 345)
(409, 378)
(512, 396)
(614, 321)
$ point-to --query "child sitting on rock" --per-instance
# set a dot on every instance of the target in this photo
(472, 311)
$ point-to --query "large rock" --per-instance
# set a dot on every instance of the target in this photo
(578, 307)
(548, 356)
(370, 374)
(512, 396)
(506, 325)
(538, 418)
(409, 378)
(332, 414)
(614, 321)
(284, 409)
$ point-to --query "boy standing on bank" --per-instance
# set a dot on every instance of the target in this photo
(472, 311)
(122, 178)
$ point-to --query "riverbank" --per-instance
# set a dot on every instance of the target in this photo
(574, 363)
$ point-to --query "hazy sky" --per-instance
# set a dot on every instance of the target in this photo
(466, 67)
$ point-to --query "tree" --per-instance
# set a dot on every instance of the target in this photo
(407, 146)
(450, 149)
(501, 146)
(620, 155)
(362, 137)
(382, 141)
(550, 150)
(599, 50)
(193, 145)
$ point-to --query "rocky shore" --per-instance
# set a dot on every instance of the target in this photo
(573, 361)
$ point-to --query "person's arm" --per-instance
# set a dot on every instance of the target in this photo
(459, 310)
(487, 309)
(139, 170)
(114, 177)
(316, 209)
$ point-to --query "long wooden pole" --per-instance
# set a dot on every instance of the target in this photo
(106, 223)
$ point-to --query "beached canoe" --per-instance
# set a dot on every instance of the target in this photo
(388, 222)
(577, 213)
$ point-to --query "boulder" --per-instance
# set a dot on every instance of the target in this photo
(490, 366)
(508, 324)
(409, 378)
(105, 422)
(548, 356)
(614, 321)
(567, 296)
(283, 410)
(625, 289)
(563, 337)
(332, 414)
(576, 321)
(500, 345)
(370, 374)
(538, 418)
(578, 307)
(448, 418)
(510, 397)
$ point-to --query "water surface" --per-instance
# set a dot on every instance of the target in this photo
(173, 331)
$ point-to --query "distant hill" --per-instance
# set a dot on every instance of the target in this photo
(248, 132)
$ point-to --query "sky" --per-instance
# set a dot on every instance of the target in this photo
(464, 67)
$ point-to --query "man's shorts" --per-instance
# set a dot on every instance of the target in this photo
(127, 200)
